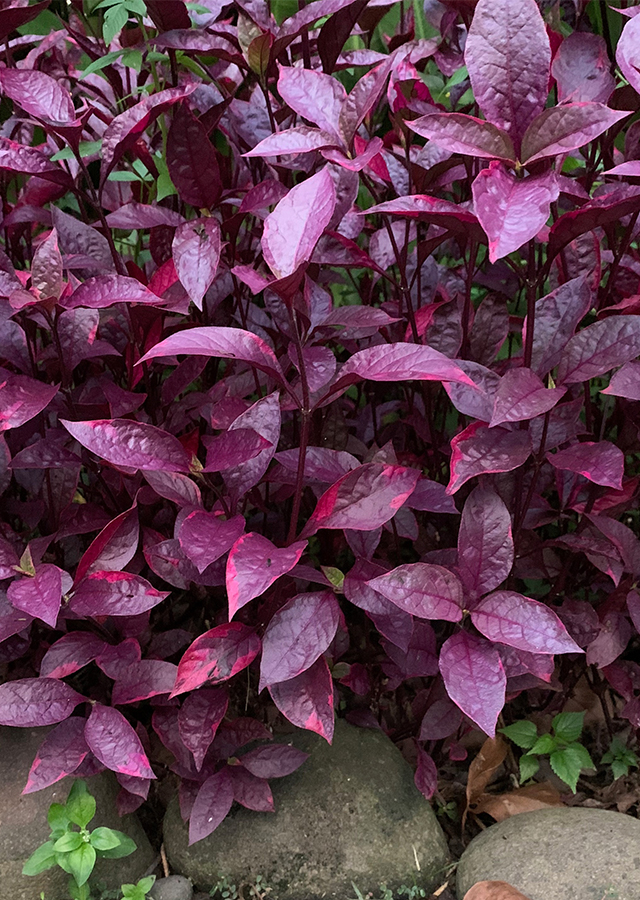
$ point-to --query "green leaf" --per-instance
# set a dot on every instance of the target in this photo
(524, 734)
(101, 63)
(132, 59)
(145, 884)
(81, 862)
(568, 763)
(40, 860)
(81, 806)
(137, 7)
(68, 842)
(164, 184)
(335, 576)
(568, 726)
(619, 768)
(87, 148)
(545, 744)
(124, 848)
(115, 18)
(57, 817)
(529, 765)
(138, 891)
(104, 839)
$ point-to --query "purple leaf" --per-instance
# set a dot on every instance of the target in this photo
(59, 755)
(599, 347)
(474, 678)
(301, 139)
(561, 129)
(223, 343)
(611, 642)
(431, 496)
(460, 133)
(175, 487)
(627, 55)
(22, 398)
(600, 462)
(39, 595)
(485, 542)
(249, 791)
(442, 719)
(556, 318)
(192, 161)
(297, 635)
(143, 679)
(71, 653)
(424, 590)
(438, 212)
(623, 538)
(205, 537)
(12, 621)
(521, 395)
(134, 445)
(138, 215)
(273, 761)
(509, 618)
(426, 777)
(389, 619)
(233, 448)
(609, 207)
(400, 362)
(114, 742)
(307, 700)
(46, 268)
(106, 290)
(211, 806)
(631, 169)
(16, 157)
(116, 659)
(420, 659)
(199, 718)
(363, 499)
(625, 382)
(264, 417)
(314, 96)
(293, 229)
(512, 210)
(113, 548)
(33, 702)
(38, 94)
(115, 594)
(479, 450)
(216, 655)
(508, 56)
(321, 464)
(196, 254)
(253, 565)
(582, 69)
(12, 17)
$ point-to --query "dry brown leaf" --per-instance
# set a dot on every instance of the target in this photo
(525, 799)
(483, 768)
(494, 890)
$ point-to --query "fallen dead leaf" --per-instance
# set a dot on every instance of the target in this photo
(482, 770)
(494, 890)
(525, 799)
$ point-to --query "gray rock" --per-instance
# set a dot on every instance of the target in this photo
(175, 887)
(558, 854)
(23, 823)
(351, 813)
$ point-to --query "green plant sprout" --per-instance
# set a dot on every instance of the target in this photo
(75, 849)
(403, 893)
(567, 756)
(620, 758)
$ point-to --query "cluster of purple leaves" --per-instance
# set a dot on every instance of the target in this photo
(319, 380)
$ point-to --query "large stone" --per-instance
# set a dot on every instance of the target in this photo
(23, 823)
(351, 813)
(558, 854)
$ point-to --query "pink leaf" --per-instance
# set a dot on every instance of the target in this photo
(521, 395)
(307, 700)
(422, 589)
(314, 96)
(600, 462)
(106, 290)
(582, 69)
(113, 548)
(134, 445)
(460, 133)
(561, 129)
(205, 537)
(273, 761)
(297, 635)
(510, 618)
(474, 678)
(400, 362)
(115, 594)
(253, 565)
(485, 542)
(16, 157)
(71, 653)
(196, 254)
(233, 448)
(625, 382)
(22, 398)
(478, 450)
(431, 209)
(59, 755)
(114, 742)
(264, 417)
(38, 94)
(33, 702)
(39, 595)
(301, 139)
(211, 806)
(46, 268)
(216, 656)
(627, 55)
(199, 718)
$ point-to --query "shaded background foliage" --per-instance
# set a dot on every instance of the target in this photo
(319, 387)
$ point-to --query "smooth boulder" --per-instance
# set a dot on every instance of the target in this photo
(558, 854)
(23, 823)
(351, 814)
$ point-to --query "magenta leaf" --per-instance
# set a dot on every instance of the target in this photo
(460, 133)
(426, 777)
(363, 499)
(623, 539)
(178, 488)
(431, 209)
(192, 161)
(216, 655)
(567, 127)
(599, 348)
(301, 139)
(115, 743)
(611, 642)
(627, 55)
(106, 290)
(253, 565)
(509, 618)
(307, 700)
(39, 595)
(582, 69)
(143, 679)
(625, 382)
(478, 450)
(199, 718)
(33, 702)
(431, 496)
(273, 760)
(12, 621)
(400, 362)
(16, 157)
(485, 542)
(211, 806)
(22, 398)
(512, 210)
(12, 17)
(134, 445)
(233, 448)
(390, 620)
(293, 229)
(422, 589)
(205, 537)
(38, 94)
(59, 755)
(46, 268)
(508, 56)
(71, 653)
(115, 594)
(600, 462)
(249, 791)
(264, 417)
(314, 96)
(474, 678)
(521, 395)
(116, 658)
(297, 635)
(221, 342)
(196, 254)
(442, 719)
(113, 548)
(556, 318)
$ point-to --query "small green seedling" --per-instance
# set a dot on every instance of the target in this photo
(74, 848)
(567, 756)
(620, 758)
